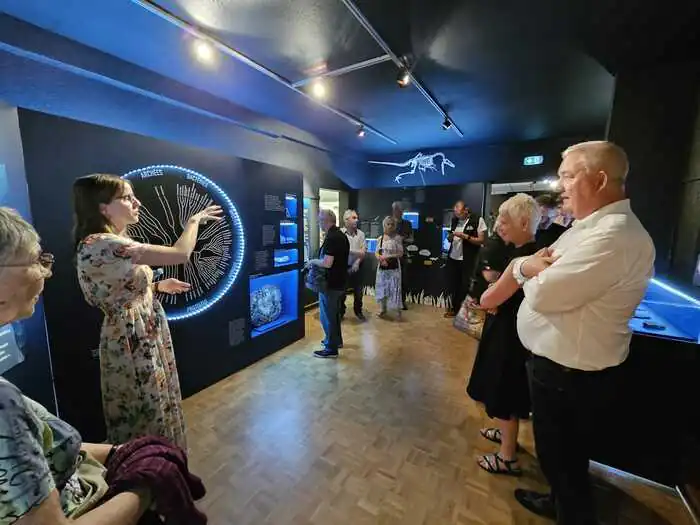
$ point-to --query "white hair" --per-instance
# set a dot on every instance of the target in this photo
(387, 221)
(522, 207)
(601, 155)
(18, 238)
(397, 205)
(330, 215)
(347, 214)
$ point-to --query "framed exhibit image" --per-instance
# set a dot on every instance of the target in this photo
(273, 301)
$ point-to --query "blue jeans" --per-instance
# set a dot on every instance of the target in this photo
(329, 303)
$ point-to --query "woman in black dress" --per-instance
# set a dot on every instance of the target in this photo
(499, 378)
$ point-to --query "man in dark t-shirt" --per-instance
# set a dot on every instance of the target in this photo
(548, 231)
(333, 257)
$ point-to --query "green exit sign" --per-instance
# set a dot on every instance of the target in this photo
(533, 160)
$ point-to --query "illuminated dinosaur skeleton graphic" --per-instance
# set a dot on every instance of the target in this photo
(420, 163)
(212, 254)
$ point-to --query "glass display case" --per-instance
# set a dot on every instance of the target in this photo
(444, 241)
(273, 301)
(667, 311)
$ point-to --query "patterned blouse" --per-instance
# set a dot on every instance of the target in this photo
(38, 453)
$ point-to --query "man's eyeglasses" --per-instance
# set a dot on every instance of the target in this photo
(45, 260)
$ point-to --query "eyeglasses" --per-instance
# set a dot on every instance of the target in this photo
(128, 198)
(45, 260)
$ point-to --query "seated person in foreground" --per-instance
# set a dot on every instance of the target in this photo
(499, 377)
(47, 475)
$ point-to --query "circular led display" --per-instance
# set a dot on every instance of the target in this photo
(169, 196)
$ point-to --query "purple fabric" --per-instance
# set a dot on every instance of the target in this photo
(155, 463)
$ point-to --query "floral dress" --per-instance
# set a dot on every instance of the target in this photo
(388, 284)
(140, 385)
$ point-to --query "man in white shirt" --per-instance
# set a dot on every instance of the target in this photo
(580, 294)
(467, 235)
(358, 250)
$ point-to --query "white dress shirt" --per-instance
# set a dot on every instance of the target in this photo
(577, 311)
(357, 244)
(457, 252)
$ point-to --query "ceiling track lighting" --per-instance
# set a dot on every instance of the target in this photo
(361, 132)
(446, 124)
(403, 79)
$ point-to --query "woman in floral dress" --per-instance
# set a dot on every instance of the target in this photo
(387, 288)
(140, 385)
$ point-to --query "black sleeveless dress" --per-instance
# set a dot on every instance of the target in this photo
(498, 378)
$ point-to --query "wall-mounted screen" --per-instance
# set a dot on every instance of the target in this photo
(169, 196)
(273, 301)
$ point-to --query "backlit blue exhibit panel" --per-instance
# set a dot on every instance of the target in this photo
(667, 311)
(413, 217)
(274, 301)
(217, 259)
(658, 389)
(287, 257)
(372, 245)
(444, 241)
(289, 232)
(290, 206)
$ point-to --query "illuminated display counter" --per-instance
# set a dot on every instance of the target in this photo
(653, 428)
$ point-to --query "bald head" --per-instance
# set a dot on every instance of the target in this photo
(591, 176)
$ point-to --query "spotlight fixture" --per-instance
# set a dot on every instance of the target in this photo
(403, 79)
(447, 124)
(318, 89)
(361, 132)
(203, 52)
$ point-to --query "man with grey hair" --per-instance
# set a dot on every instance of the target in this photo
(333, 256)
(580, 294)
(358, 250)
(405, 231)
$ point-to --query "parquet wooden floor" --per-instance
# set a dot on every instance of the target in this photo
(383, 435)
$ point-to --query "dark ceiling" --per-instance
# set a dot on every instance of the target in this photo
(505, 71)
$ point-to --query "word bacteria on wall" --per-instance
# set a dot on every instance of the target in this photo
(169, 196)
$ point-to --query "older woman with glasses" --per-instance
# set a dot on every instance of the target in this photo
(499, 377)
(46, 474)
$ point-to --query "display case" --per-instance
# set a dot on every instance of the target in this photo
(286, 257)
(659, 385)
(288, 232)
(273, 301)
(667, 311)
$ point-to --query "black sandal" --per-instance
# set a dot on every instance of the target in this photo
(495, 464)
(492, 434)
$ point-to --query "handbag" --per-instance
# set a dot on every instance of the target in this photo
(470, 319)
(391, 264)
(316, 279)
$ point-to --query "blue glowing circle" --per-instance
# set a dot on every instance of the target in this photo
(170, 195)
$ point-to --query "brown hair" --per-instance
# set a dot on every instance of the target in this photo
(88, 193)
(548, 200)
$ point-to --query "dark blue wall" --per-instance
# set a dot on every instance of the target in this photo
(33, 374)
(478, 163)
(53, 75)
